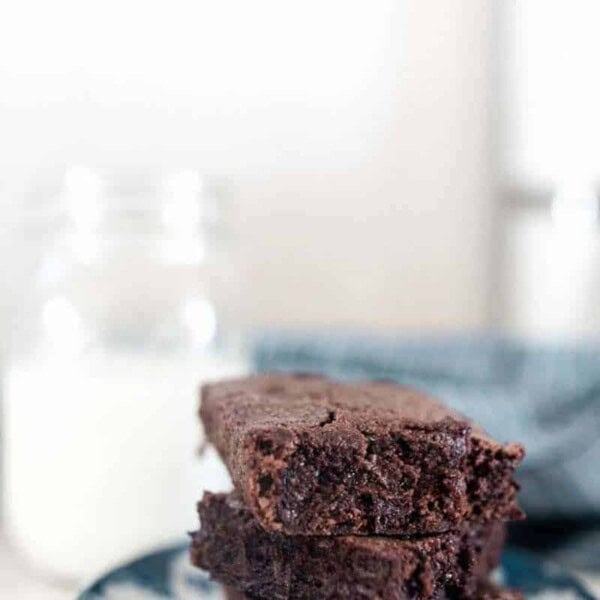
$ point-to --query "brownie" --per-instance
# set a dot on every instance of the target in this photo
(268, 565)
(313, 456)
(233, 594)
(484, 592)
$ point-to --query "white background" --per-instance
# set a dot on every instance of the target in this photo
(354, 136)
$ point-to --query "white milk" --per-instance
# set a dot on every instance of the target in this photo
(551, 278)
(101, 456)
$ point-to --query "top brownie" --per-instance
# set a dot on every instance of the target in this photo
(313, 456)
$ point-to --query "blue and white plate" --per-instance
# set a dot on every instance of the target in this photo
(167, 575)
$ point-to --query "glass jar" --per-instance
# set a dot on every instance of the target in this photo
(126, 316)
(551, 266)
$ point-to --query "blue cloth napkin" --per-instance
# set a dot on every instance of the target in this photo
(545, 396)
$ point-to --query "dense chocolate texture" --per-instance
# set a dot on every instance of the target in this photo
(239, 553)
(312, 456)
(484, 592)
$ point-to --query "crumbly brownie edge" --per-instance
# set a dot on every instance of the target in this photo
(485, 592)
(329, 474)
(233, 547)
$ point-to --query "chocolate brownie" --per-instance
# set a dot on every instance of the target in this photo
(270, 565)
(484, 592)
(313, 456)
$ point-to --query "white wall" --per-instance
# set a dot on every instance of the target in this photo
(355, 136)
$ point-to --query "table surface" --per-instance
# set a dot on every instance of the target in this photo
(17, 580)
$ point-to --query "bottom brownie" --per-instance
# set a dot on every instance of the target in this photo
(234, 548)
(486, 591)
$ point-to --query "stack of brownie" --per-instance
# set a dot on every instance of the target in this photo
(356, 491)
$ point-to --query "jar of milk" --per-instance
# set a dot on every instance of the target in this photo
(551, 266)
(128, 313)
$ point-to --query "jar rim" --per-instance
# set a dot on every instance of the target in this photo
(94, 198)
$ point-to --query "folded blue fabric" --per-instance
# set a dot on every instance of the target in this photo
(547, 397)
